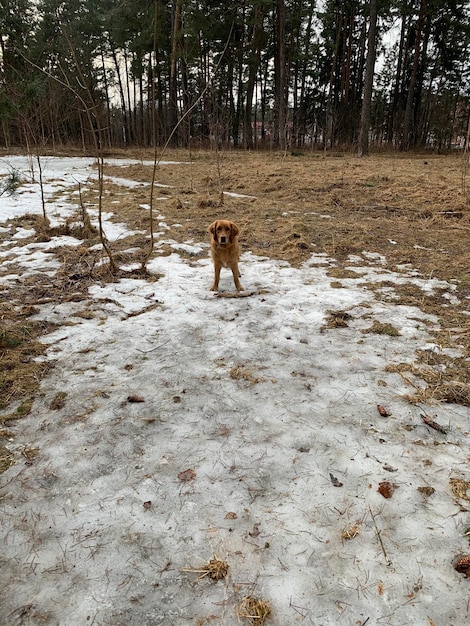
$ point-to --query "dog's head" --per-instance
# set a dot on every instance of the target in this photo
(223, 231)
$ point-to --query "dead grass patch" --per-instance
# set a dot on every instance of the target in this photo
(334, 205)
(6, 459)
(337, 319)
(241, 372)
(445, 378)
(341, 272)
(58, 402)
(453, 392)
(382, 328)
(20, 374)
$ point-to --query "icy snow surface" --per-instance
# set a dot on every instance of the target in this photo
(277, 418)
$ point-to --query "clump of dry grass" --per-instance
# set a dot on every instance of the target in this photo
(337, 319)
(460, 488)
(256, 611)
(351, 532)
(215, 569)
(454, 392)
(58, 401)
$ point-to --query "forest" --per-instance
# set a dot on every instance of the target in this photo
(282, 74)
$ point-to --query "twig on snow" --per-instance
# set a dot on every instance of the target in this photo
(429, 422)
(237, 294)
(377, 532)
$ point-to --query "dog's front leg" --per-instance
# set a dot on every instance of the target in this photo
(215, 284)
(236, 280)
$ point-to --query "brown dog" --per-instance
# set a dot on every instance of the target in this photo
(225, 250)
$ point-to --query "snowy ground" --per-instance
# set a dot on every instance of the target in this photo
(277, 418)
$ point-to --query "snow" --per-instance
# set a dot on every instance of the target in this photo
(277, 417)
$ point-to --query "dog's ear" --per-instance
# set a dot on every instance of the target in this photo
(212, 228)
(234, 230)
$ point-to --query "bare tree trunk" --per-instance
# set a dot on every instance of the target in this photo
(406, 139)
(259, 13)
(130, 107)
(152, 105)
(108, 106)
(123, 131)
(393, 112)
(280, 127)
(330, 108)
(175, 45)
(302, 113)
(363, 143)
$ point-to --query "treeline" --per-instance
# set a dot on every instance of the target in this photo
(260, 73)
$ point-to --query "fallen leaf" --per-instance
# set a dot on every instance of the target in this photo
(335, 481)
(426, 491)
(135, 399)
(429, 422)
(187, 475)
(255, 532)
(383, 411)
(387, 489)
(463, 565)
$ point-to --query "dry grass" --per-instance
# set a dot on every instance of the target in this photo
(6, 459)
(408, 208)
(381, 328)
(254, 610)
(340, 206)
(20, 374)
(215, 569)
(460, 488)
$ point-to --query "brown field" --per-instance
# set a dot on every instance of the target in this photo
(412, 209)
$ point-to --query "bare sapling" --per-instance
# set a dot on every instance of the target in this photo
(219, 167)
(92, 111)
(88, 228)
(466, 164)
(32, 141)
(41, 187)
